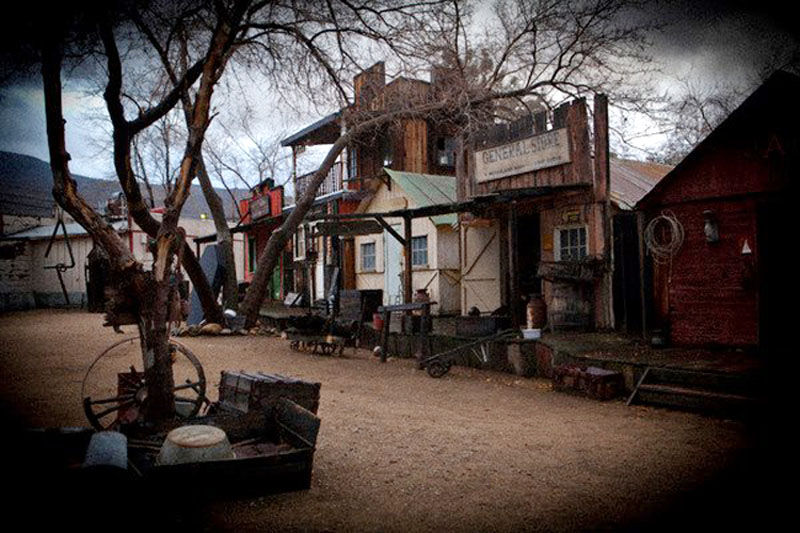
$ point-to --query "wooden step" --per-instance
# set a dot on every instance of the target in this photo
(700, 393)
(681, 396)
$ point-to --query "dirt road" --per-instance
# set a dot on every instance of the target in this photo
(399, 451)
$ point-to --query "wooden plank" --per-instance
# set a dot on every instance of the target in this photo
(408, 272)
(388, 227)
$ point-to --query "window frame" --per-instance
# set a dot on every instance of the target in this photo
(414, 251)
(559, 248)
(362, 256)
(449, 153)
(252, 258)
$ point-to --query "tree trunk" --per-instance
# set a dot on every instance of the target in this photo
(230, 287)
(132, 283)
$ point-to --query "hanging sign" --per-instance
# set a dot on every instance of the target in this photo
(260, 207)
(547, 149)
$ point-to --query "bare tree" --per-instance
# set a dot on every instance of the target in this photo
(692, 115)
(491, 62)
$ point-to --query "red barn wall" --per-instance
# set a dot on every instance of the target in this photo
(708, 294)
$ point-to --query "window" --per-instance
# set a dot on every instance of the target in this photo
(571, 244)
(251, 254)
(352, 164)
(419, 251)
(446, 151)
(387, 151)
(368, 257)
(300, 243)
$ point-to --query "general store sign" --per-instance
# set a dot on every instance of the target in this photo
(547, 149)
(260, 207)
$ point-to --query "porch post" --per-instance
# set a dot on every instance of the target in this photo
(407, 289)
(513, 266)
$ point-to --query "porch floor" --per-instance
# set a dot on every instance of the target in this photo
(627, 350)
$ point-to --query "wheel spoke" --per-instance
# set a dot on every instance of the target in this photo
(187, 386)
(109, 400)
(103, 413)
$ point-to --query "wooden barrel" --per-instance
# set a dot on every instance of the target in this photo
(536, 312)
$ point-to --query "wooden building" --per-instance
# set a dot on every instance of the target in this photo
(727, 281)
(546, 227)
(261, 214)
(380, 262)
(411, 145)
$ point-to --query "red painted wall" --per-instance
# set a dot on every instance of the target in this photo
(709, 293)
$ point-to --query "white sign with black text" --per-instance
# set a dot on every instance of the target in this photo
(547, 149)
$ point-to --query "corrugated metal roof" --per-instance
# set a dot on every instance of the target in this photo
(45, 232)
(426, 190)
(631, 180)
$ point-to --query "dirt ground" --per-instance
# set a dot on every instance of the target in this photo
(399, 451)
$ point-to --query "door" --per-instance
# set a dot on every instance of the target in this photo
(480, 267)
(392, 268)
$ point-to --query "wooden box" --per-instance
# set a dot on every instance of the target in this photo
(592, 381)
(245, 392)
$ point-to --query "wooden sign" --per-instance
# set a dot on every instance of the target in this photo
(260, 207)
(547, 149)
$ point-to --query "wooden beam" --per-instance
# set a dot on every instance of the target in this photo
(407, 274)
(388, 227)
(513, 266)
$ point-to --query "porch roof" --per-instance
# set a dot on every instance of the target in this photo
(324, 131)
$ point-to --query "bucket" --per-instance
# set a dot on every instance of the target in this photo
(195, 444)
(377, 321)
(532, 333)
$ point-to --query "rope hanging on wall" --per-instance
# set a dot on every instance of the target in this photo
(663, 236)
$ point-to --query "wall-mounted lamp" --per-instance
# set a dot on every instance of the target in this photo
(710, 227)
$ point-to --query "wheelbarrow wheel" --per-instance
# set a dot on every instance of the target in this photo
(327, 348)
(437, 369)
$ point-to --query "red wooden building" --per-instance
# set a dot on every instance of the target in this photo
(727, 283)
(261, 214)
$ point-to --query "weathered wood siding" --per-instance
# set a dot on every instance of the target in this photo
(480, 268)
(578, 171)
(708, 294)
(414, 147)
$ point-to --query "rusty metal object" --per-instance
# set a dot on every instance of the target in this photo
(126, 406)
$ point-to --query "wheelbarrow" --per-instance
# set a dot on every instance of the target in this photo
(439, 364)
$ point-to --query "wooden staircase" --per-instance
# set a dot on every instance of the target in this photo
(704, 391)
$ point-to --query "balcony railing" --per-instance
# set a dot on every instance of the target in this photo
(333, 181)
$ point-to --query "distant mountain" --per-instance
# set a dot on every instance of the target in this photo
(26, 185)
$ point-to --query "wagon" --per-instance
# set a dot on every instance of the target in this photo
(273, 439)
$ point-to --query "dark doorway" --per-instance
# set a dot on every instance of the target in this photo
(528, 248)
(774, 267)
(627, 280)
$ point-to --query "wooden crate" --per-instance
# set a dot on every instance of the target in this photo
(244, 391)
(592, 381)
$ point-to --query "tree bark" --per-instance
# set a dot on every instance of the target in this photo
(230, 285)
(123, 134)
(132, 280)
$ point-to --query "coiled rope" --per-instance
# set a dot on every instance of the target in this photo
(663, 237)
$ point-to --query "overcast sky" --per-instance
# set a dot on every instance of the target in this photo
(722, 43)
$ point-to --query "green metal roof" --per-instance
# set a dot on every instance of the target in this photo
(426, 190)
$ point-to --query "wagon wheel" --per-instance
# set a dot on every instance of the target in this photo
(437, 369)
(126, 406)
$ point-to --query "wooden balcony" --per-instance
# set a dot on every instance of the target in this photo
(333, 181)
